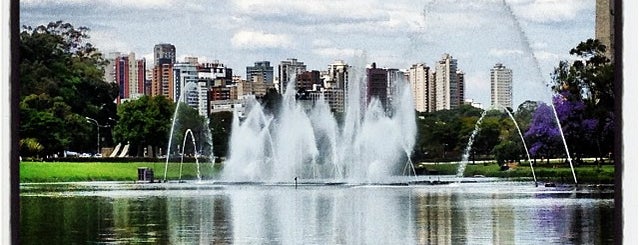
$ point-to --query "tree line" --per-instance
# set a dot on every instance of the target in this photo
(62, 84)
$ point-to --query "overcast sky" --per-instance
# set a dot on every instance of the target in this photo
(528, 36)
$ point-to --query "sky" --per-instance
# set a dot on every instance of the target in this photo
(528, 36)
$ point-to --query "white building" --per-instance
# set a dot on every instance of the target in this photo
(287, 70)
(501, 86)
(186, 76)
(420, 80)
(449, 84)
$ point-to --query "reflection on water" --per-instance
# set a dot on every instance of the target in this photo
(245, 214)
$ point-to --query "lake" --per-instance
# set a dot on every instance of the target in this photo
(217, 213)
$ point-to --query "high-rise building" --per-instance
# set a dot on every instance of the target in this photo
(604, 25)
(128, 73)
(501, 86)
(262, 70)
(162, 84)
(395, 78)
(287, 71)
(337, 75)
(185, 78)
(141, 80)
(122, 76)
(163, 60)
(461, 87)
(377, 84)
(109, 69)
(308, 80)
(163, 51)
(419, 77)
(449, 88)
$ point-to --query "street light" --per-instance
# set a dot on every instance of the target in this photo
(97, 126)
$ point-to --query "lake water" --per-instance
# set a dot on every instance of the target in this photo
(209, 213)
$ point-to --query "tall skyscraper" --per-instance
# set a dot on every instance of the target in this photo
(127, 74)
(162, 83)
(163, 60)
(141, 66)
(501, 86)
(419, 78)
(261, 71)
(448, 85)
(287, 71)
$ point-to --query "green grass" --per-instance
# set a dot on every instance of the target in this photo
(585, 174)
(106, 171)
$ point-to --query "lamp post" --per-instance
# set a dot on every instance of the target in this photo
(97, 126)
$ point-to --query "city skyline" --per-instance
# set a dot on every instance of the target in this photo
(393, 35)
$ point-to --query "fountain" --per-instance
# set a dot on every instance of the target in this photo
(197, 163)
(529, 50)
(370, 146)
(189, 86)
(462, 165)
(523, 142)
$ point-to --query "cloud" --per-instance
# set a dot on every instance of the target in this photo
(505, 52)
(337, 53)
(549, 11)
(258, 39)
(478, 87)
(138, 4)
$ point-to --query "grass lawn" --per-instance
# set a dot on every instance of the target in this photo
(585, 174)
(106, 171)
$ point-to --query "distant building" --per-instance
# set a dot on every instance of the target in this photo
(308, 80)
(256, 88)
(287, 71)
(163, 51)
(162, 83)
(472, 103)
(395, 77)
(449, 84)
(186, 84)
(377, 84)
(501, 86)
(128, 73)
(262, 70)
(337, 75)
(420, 81)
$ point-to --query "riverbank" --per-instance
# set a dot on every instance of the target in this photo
(592, 174)
(106, 171)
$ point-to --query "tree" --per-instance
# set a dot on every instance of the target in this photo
(145, 121)
(589, 80)
(61, 83)
(543, 133)
(188, 118)
(507, 151)
(220, 125)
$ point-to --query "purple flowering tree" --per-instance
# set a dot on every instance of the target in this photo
(543, 134)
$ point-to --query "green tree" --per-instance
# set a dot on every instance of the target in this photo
(220, 124)
(61, 83)
(189, 118)
(507, 151)
(143, 122)
(590, 79)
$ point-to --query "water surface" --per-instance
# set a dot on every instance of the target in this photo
(209, 213)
